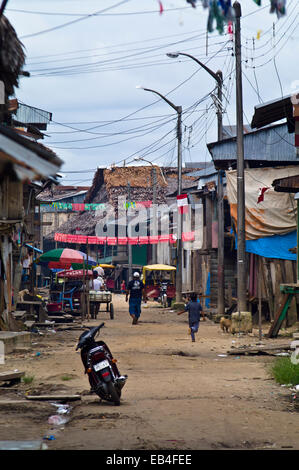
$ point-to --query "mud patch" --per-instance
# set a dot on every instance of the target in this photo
(250, 445)
(180, 353)
(63, 377)
(97, 416)
(44, 389)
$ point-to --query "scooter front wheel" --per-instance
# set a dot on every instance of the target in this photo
(115, 396)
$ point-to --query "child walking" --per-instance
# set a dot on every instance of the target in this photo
(193, 308)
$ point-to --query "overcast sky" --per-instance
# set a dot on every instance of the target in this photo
(86, 73)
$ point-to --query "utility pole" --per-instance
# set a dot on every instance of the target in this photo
(129, 246)
(155, 228)
(218, 77)
(179, 271)
(220, 208)
(179, 276)
(241, 254)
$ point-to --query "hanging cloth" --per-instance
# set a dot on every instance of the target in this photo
(277, 6)
(161, 7)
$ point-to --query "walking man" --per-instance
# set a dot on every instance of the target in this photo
(136, 292)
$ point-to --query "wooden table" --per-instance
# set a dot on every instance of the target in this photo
(42, 316)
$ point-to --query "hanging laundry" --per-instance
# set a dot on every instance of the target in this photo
(192, 2)
(222, 11)
(230, 30)
(161, 7)
(277, 6)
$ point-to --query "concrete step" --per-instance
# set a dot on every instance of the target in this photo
(13, 340)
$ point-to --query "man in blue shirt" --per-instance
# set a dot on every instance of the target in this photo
(136, 291)
(193, 308)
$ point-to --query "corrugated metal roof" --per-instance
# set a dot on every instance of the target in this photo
(208, 170)
(272, 144)
(29, 115)
(273, 111)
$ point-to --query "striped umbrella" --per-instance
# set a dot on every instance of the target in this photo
(61, 258)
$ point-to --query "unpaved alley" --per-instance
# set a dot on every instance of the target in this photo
(179, 394)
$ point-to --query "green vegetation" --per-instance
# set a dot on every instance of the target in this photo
(28, 379)
(285, 372)
(66, 377)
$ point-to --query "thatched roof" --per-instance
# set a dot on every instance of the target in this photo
(109, 185)
(136, 176)
(12, 56)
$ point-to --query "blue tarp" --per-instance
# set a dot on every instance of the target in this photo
(276, 246)
(208, 290)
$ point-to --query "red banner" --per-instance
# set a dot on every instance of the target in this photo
(111, 241)
(101, 240)
(164, 238)
(188, 236)
(143, 240)
(133, 240)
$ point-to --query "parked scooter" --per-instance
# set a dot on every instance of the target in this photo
(163, 293)
(103, 374)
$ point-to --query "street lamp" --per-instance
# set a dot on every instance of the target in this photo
(155, 227)
(220, 277)
(178, 109)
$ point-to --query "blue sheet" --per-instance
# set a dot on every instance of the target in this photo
(276, 246)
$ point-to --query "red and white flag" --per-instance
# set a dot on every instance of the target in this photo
(261, 194)
(182, 203)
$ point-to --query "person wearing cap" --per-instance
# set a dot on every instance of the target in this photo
(136, 292)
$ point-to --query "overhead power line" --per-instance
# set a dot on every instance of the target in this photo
(86, 17)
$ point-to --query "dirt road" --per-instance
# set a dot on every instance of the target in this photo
(179, 394)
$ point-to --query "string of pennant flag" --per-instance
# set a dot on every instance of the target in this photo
(143, 240)
(73, 206)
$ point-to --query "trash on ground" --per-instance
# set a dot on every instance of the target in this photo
(49, 438)
(62, 409)
(57, 420)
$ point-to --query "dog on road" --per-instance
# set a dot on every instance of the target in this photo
(225, 324)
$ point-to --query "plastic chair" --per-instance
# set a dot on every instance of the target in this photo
(67, 296)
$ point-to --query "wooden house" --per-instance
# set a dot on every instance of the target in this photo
(267, 151)
(23, 164)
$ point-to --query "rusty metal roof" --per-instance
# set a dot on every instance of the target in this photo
(287, 185)
(273, 111)
(270, 145)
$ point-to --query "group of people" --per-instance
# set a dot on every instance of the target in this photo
(136, 292)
